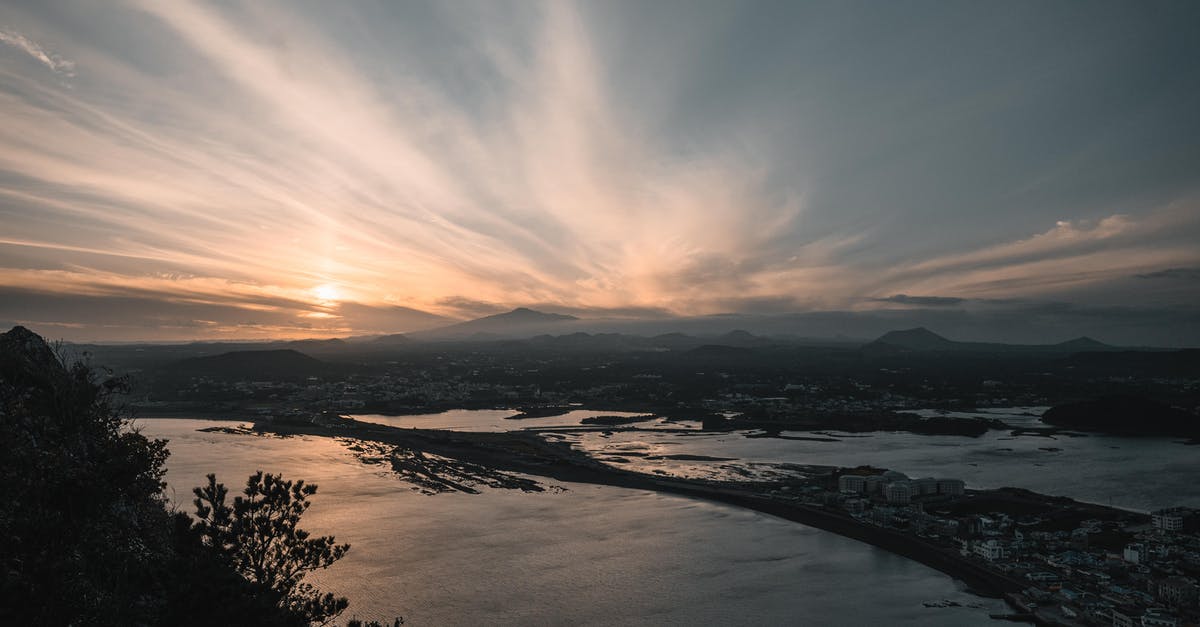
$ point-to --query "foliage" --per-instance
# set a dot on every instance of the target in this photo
(85, 534)
(259, 536)
(82, 522)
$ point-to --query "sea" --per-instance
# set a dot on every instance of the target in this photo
(597, 555)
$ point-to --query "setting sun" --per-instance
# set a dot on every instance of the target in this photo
(327, 293)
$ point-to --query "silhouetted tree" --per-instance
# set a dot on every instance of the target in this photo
(259, 535)
(83, 528)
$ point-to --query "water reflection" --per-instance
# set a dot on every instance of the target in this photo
(592, 555)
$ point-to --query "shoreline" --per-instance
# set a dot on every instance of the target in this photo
(527, 454)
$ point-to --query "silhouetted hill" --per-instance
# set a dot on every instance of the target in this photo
(518, 322)
(25, 356)
(395, 339)
(742, 338)
(330, 345)
(1084, 343)
(269, 364)
(674, 341)
(1124, 415)
(920, 339)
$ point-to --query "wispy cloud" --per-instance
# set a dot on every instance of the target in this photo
(1181, 274)
(66, 67)
(923, 301)
(474, 157)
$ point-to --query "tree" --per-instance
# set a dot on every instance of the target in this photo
(259, 536)
(83, 529)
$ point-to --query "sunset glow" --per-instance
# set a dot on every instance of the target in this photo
(214, 163)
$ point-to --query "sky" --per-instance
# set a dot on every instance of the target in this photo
(219, 170)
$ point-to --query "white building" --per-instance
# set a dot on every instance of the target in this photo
(1168, 519)
(990, 550)
(898, 492)
(1135, 553)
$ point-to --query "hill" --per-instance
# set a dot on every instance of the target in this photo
(918, 339)
(283, 363)
(1084, 344)
(1124, 415)
(520, 322)
(921, 339)
(395, 339)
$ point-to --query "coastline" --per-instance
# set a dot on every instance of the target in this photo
(527, 454)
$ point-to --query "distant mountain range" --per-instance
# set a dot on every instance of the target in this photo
(921, 339)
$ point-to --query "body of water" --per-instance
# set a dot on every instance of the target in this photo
(498, 420)
(1142, 474)
(589, 555)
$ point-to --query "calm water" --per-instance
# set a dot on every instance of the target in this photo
(493, 420)
(1133, 473)
(591, 555)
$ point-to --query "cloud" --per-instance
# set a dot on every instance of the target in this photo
(924, 301)
(580, 157)
(1181, 274)
(1068, 256)
(62, 66)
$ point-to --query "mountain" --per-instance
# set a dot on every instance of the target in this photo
(285, 363)
(520, 322)
(918, 339)
(741, 338)
(395, 339)
(1083, 344)
(318, 346)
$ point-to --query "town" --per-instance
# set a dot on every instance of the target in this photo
(1070, 563)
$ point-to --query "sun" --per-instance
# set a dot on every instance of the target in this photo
(327, 293)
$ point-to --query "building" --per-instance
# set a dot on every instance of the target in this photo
(925, 486)
(990, 550)
(1158, 617)
(852, 483)
(898, 492)
(1170, 519)
(1126, 616)
(952, 487)
(875, 484)
(1178, 591)
(1135, 553)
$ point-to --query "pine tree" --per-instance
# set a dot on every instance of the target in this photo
(259, 535)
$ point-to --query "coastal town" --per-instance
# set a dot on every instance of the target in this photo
(1071, 564)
